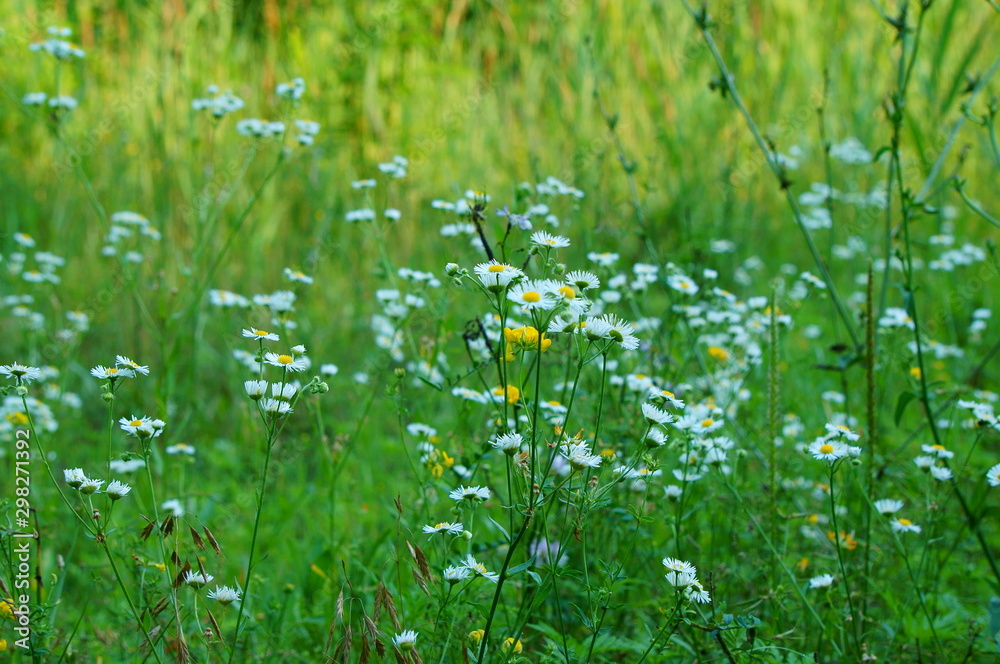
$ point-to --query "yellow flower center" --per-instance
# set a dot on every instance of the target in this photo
(568, 292)
(826, 448)
(112, 371)
(707, 423)
(260, 333)
(640, 376)
(496, 268)
(441, 526)
(668, 393)
(532, 296)
(285, 359)
(905, 522)
(938, 447)
(135, 423)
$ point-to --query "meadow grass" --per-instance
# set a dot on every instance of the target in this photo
(675, 402)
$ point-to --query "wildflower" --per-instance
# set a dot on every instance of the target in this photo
(680, 580)
(74, 477)
(680, 282)
(532, 295)
(840, 431)
(938, 451)
(475, 637)
(508, 443)
(455, 574)
(180, 448)
(511, 392)
(287, 362)
(255, 388)
(993, 475)
(655, 438)
(582, 280)
(904, 526)
(525, 338)
(90, 486)
(174, 508)
(676, 565)
(406, 640)
(444, 528)
(254, 333)
(495, 276)
(579, 456)
(21, 374)
(277, 407)
(122, 361)
(291, 90)
(140, 427)
(888, 506)
(942, 473)
(472, 494)
(545, 239)
(510, 644)
(34, 99)
(224, 595)
(197, 579)
(477, 568)
(821, 581)
(611, 327)
(827, 450)
(117, 490)
(111, 373)
(706, 425)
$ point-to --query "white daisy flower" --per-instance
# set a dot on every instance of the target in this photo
(821, 581)
(471, 493)
(479, 569)
(508, 443)
(904, 526)
(828, 450)
(173, 507)
(888, 506)
(993, 475)
(682, 283)
(444, 528)
(117, 490)
(74, 477)
(197, 579)
(122, 361)
(455, 574)
(406, 640)
(254, 333)
(545, 239)
(224, 595)
(287, 362)
(111, 373)
(20, 373)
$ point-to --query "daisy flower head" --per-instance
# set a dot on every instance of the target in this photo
(197, 579)
(582, 280)
(821, 581)
(706, 426)
(224, 595)
(663, 397)
(287, 362)
(942, 473)
(470, 563)
(697, 593)
(405, 640)
(471, 493)
(180, 448)
(840, 431)
(140, 427)
(532, 295)
(938, 451)
(904, 526)
(445, 528)
(676, 565)
(122, 361)
(682, 283)
(993, 475)
(495, 277)
(579, 456)
(655, 415)
(888, 506)
(680, 580)
(111, 373)
(508, 443)
(549, 241)
(254, 333)
(117, 490)
(74, 477)
(255, 389)
(173, 508)
(276, 407)
(455, 574)
(90, 486)
(21, 374)
(823, 449)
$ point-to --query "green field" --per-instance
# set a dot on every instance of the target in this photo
(272, 281)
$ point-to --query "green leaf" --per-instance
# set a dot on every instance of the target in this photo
(520, 568)
(904, 400)
(502, 529)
